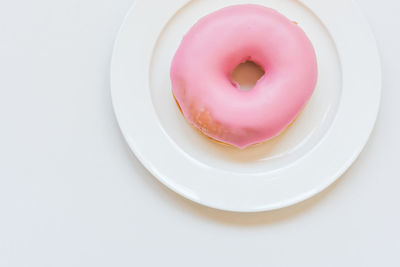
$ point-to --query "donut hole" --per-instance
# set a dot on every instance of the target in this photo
(246, 75)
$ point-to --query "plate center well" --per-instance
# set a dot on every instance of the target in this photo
(298, 139)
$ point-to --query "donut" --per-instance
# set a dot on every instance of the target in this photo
(201, 74)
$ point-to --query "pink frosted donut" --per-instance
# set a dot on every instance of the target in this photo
(202, 66)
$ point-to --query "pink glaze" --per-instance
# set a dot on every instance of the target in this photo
(215, 46)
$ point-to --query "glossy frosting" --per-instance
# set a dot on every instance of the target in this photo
(202, 66)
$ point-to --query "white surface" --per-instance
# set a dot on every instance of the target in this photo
(286, 170)
(72, 193)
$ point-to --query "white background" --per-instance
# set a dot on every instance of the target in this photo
(72, 193)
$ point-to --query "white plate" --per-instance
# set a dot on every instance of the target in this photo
(308, 157)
